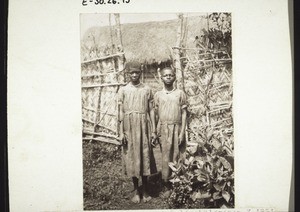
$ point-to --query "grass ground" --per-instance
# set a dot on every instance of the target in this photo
(105, 187)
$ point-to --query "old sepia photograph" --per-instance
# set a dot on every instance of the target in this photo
(157, 122)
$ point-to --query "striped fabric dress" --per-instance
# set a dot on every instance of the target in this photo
(138, 159)
(168, 105)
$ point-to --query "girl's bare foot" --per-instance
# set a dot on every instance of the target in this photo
(136, 197)
(146, 197)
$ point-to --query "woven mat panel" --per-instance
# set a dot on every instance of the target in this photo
(222, 75)
(87, 126)
(208, 86)
(196, 127)
(89, 101)
(196, 105)
(100, 72)
(108, 111)
(220, 115)
(89, 73)
(219, 96)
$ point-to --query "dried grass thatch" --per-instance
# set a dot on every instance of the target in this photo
(147, 42)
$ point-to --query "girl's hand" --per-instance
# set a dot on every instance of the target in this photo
(181, 138)
(122, 139)
(153, 139)
(153, 135)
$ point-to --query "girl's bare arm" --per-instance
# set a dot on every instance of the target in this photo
(183, 125)
(121, 126)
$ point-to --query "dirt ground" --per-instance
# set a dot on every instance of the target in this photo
(105, 187)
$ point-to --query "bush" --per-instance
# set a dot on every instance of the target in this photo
(205, 177)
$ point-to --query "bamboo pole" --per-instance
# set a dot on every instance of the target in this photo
(84, 119)
(97, 109)
(176, 52)
(111, 71)
(121, 58)
(111, 30)
(118, 28)
(87, 108)
(104, 58)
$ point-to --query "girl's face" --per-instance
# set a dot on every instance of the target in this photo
(135, 75)
(168, 77)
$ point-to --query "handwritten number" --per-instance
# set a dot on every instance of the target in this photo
(99, 2)
(109, 2)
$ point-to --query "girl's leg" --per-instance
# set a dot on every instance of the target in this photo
(136, 196)
(135, 181)
(146, 196)
(166, 191)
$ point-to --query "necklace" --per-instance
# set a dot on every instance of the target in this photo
(168, 92)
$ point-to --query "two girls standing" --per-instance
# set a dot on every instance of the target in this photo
(139, 128)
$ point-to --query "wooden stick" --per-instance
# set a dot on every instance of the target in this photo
(217, 122)
(212, 60)
(88, 108)
(220, 86)
(220, 103)
(223, 108)
(102, 85)
(106, 140)
(105, 127)
(84, 119)
(99, 75)
(100, 134)
(103, 58)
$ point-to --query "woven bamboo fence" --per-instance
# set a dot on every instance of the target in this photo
(208, 85)
(101, 78)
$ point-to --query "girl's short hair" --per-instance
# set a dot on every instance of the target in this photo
(167, 68)
(133, 66)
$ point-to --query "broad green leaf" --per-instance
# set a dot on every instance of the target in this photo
(197, 171)
(223, 206)
(217, 195)
(193, 196)
(190, 174)
(205, 195)
(216, 143)
(174, 180)
(209, 134)
(225, 163)
(226, 195)
(198, 195)
(186, 161)
(171, 165)
(191, 159)
(218, 187)
(201, 178)
(192, 149)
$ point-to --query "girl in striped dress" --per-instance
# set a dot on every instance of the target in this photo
(137, 117)
(171, 107)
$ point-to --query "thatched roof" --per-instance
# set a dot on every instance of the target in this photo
(148, 42)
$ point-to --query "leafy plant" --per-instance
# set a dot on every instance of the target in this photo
(205, 176)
